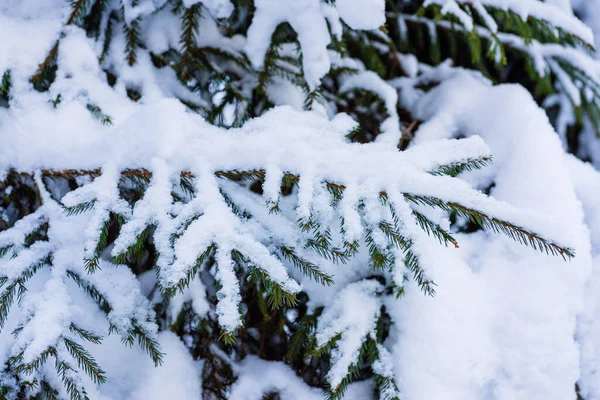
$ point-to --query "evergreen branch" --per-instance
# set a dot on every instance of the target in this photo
(277, 296)
(380, 258)
(5, 85)
(307, 268)
(145, 341)
(48, 391)
(17, 361)
(92, 291)
(78, 9)
(433, 229)
(515, 232)
(392, 232)
(16, 289)
(136, 332)
(108, 36)
(324, 250)
(80, 208)
(387, 387)
(191, 273)
(187, 40)
(85, 361)
(85, 334)
(6, 300)
(4, 251)
(44, 71)
(70, 380)
(413, 263)
(135, 250)
(366, 354)
(93, 263)
(187, 186)
(455, 168)
(229, 338)
(509, 229)
(99, 115)
(301, 338)
(132, 36)
(326, 347)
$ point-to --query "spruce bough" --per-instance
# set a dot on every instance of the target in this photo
(239, 162)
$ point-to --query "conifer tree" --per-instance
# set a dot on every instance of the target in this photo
(263, 179)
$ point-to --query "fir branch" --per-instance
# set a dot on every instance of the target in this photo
(80, 208)
(48, 391)
(515, 232)
(91, 291)
(5, 86)
(45, 73)
(132, 36)
(191, 273)
(70, 380)
(85, 361)
(99, 115)
(93, 263)
(413, 263)
(4, 251)
(187, 186)
(135, 333)
(136, 249)
(509, 229)
(187, 39)
(108, 36)
(16, 289)
(145, 341)
(6, 300)
(324, 250)
(307, 268)
(276, 295)
(17, 361)
(78, 10)
(380, 258)
(455, 168)
(366, 354)
(85, 334)
(433, 229)
(301, 338)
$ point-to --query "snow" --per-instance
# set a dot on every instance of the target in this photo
(362, 14)
(218, 8)
(524, 8)
(134, 377)
(306, 19)
(507, 322)
(519, 310)
(341, 318)
(258, 377)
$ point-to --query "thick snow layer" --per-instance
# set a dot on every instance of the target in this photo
(133, 376)
(548, 11)
(503, 321)
(362, 14)
(587, 184)
(258, 377)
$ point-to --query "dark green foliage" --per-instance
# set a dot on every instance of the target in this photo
(99, 115)
(5, 86)
(85, 361)
(80, 208)
(456, 168)
(511, 230)
(308, 268)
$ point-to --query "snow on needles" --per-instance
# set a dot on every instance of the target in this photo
(524, 8)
